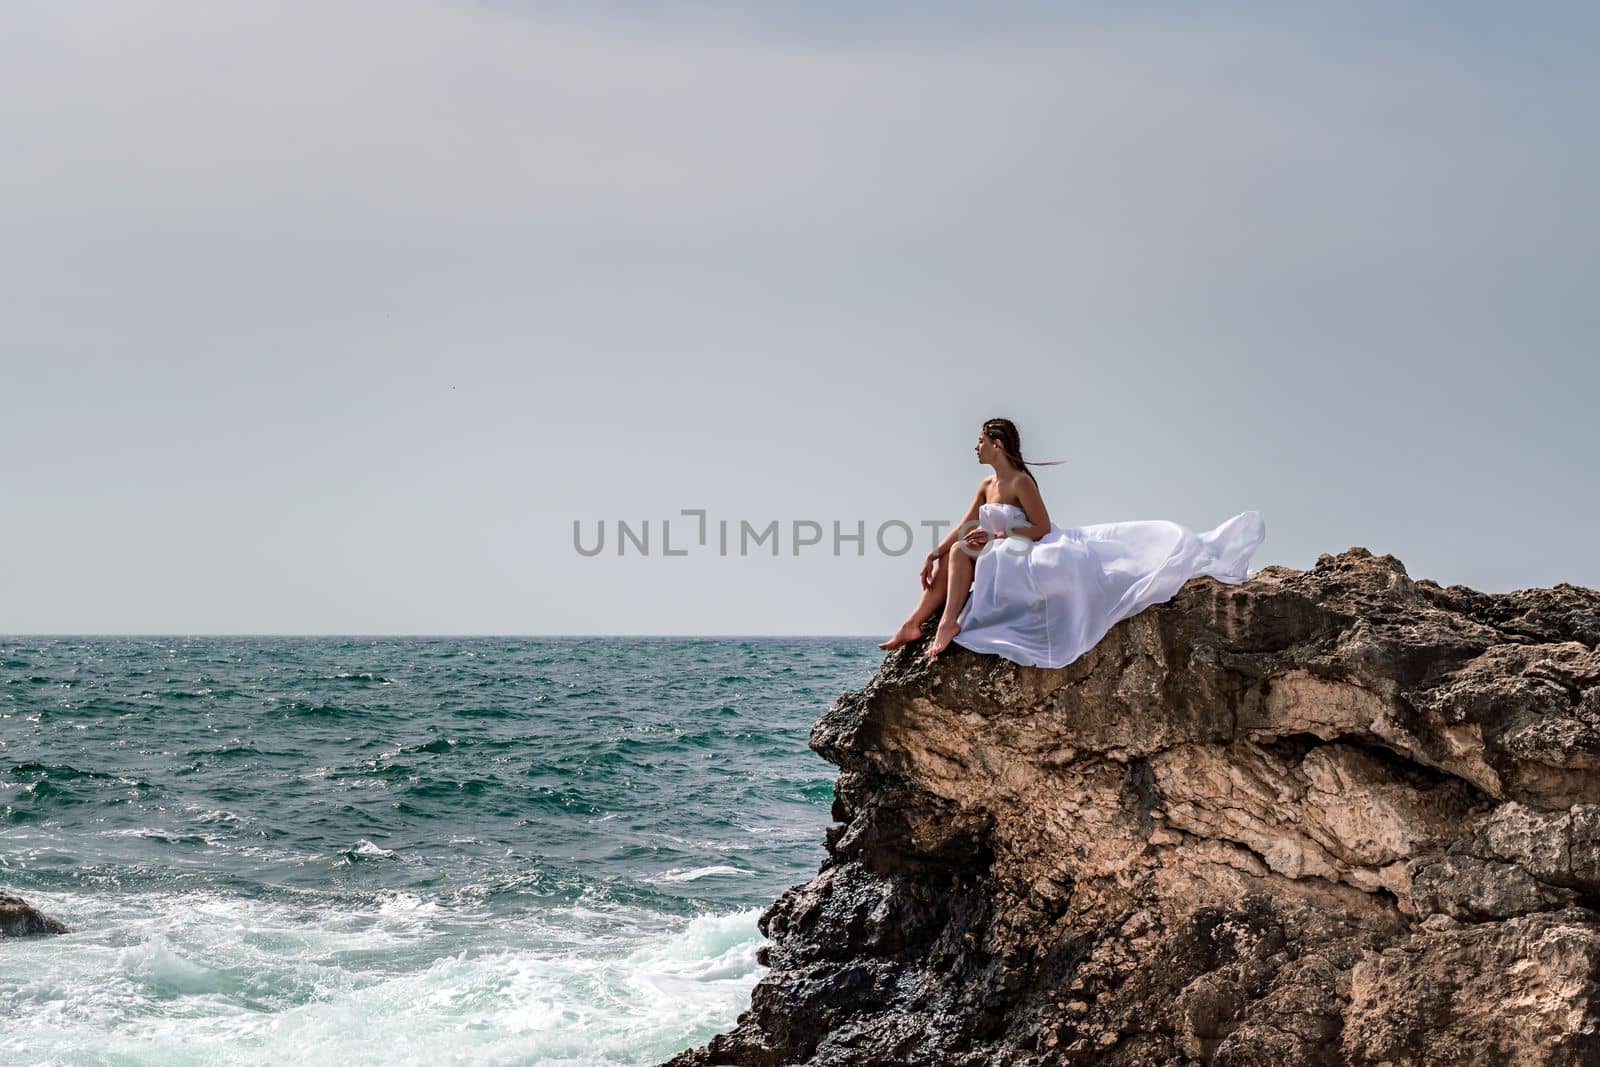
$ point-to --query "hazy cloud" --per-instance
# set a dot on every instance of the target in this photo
(333, 317)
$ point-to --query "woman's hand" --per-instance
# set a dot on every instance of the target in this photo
(930, 567)
(976, 539)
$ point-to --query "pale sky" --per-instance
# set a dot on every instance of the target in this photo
(333, 317)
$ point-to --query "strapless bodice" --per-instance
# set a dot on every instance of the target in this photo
(1001, 518)
(1007, 518)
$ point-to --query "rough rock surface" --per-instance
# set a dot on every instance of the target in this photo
(1324, 817)
(18, 918)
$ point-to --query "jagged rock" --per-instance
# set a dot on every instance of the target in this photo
(1333, 816)
(19, 919)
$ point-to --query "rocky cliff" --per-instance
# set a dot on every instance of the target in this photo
(1324, 817)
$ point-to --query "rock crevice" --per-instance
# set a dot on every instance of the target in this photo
(1327, 816)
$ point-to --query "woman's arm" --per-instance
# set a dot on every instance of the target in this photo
(1033, 507)
(965, 524)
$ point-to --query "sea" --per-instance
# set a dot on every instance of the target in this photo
(402, 850)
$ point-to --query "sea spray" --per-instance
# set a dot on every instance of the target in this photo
(548, 851)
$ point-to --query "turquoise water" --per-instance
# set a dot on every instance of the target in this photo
(401, 850)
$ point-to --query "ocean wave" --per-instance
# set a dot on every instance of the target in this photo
(696, 873)
(547, 852)
(218, 979)
(365, 850)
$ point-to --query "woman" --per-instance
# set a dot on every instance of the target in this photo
(1042, 595)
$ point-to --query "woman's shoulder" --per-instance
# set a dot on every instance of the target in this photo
(1014, 488)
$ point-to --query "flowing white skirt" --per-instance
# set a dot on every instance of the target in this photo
(1044, 603)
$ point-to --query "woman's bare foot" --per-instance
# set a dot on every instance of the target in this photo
(907, 633)
(942, 637)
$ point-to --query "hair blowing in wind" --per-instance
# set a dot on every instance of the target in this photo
(1006, 434)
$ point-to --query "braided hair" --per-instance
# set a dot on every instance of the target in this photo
(1005, 433)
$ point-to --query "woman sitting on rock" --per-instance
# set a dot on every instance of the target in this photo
(1013, 583)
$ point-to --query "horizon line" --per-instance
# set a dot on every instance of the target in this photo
(11, 636)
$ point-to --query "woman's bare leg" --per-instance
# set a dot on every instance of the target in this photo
(960, 566)
(932, 597)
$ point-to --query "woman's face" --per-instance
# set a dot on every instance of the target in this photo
(985, 448)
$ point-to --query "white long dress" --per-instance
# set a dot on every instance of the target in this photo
(1044, 603)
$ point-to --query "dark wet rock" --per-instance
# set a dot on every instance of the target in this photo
(1333, 816)
(20, 919)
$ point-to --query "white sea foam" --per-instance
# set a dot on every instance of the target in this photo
(214, 979)
(695, 873)
(368, 849)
